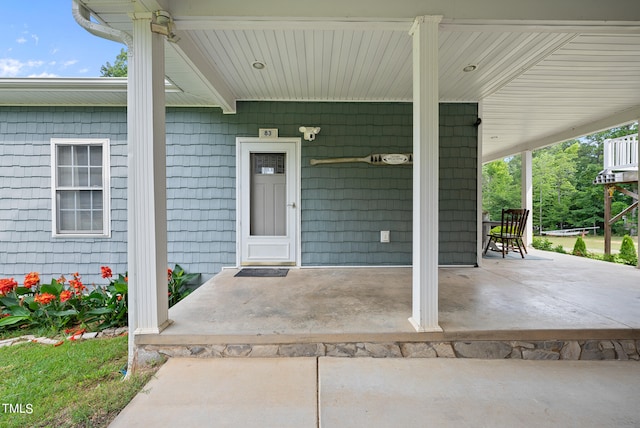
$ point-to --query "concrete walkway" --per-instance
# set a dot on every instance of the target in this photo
(364, 392)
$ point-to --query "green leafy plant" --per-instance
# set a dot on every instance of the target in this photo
(628, 253)
(580, 248)
(559, 249)
(542, 244)
(499, 229)
(179, 282)
(112, 300)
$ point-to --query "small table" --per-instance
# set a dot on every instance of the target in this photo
(487, 225)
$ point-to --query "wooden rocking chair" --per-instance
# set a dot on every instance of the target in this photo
(510, 234)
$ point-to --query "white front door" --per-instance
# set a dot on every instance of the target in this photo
(267, 200)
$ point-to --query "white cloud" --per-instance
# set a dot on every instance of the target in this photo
(21, 40)
(69, 63)
(10, 67)
(43, 74)
(54, 51)
(36, 38)
(83, 71)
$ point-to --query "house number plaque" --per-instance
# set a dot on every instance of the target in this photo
(268, 133)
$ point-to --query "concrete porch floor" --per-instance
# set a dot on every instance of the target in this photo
(544, 296)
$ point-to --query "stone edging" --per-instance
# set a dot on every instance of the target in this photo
(534, 350)
(81, 335)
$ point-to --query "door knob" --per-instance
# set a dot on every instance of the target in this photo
(292, 205)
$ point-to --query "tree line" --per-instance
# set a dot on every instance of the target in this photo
(564, 195)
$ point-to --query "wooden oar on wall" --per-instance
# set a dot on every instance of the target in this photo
(373, 159)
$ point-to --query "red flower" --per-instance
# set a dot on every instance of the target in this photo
(65, 295)
(119, 297)
(31, 279)
(61, 280)
(76, 283)
(106, 271)
(169, 272)
(7, 285)
(44, 298)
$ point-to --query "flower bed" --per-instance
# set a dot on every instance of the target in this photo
(64, 303)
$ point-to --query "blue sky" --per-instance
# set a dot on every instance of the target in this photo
(40, 38)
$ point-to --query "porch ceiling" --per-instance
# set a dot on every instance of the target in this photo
(542, 76)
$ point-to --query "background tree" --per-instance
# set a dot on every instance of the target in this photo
(554, 171)
(587, 208)
(499, 189)
(119, 67)
(564, 195)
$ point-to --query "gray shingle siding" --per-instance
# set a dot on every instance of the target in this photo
(344, 207)
(458, 190)
(200, 191)
(26, 243)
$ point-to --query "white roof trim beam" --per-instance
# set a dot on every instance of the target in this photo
(206, 72)
(620, 118)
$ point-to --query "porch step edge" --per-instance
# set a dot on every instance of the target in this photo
(592, 349)
(446, 336)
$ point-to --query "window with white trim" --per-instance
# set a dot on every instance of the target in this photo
(80, 187)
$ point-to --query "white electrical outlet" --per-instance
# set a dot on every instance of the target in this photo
(384, 236)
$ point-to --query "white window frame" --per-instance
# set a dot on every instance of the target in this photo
(106, 186)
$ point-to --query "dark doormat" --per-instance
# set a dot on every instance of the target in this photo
(263, 272)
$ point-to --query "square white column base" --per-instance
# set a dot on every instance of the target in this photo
(420, 329)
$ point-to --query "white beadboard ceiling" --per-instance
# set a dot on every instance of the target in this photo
(539, 82)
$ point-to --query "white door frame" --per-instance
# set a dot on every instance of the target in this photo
(244, 146)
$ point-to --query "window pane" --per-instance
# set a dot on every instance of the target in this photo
(97, 220)
(82, 155)
(84, 220)
(65, 176)
(95, 155)
(84, 200)
(64, 155)
(81, 177)
(268, 163)
(67, 200)
(95, 175)
(97, 200)
(67, 221)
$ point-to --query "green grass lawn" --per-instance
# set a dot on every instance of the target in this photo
(595, 244)
(76, 384)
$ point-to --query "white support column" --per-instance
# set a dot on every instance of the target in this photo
(527, 193)
(425, 173)
(481, 232)
(147, 206)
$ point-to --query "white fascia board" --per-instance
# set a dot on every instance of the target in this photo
(83, 84)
